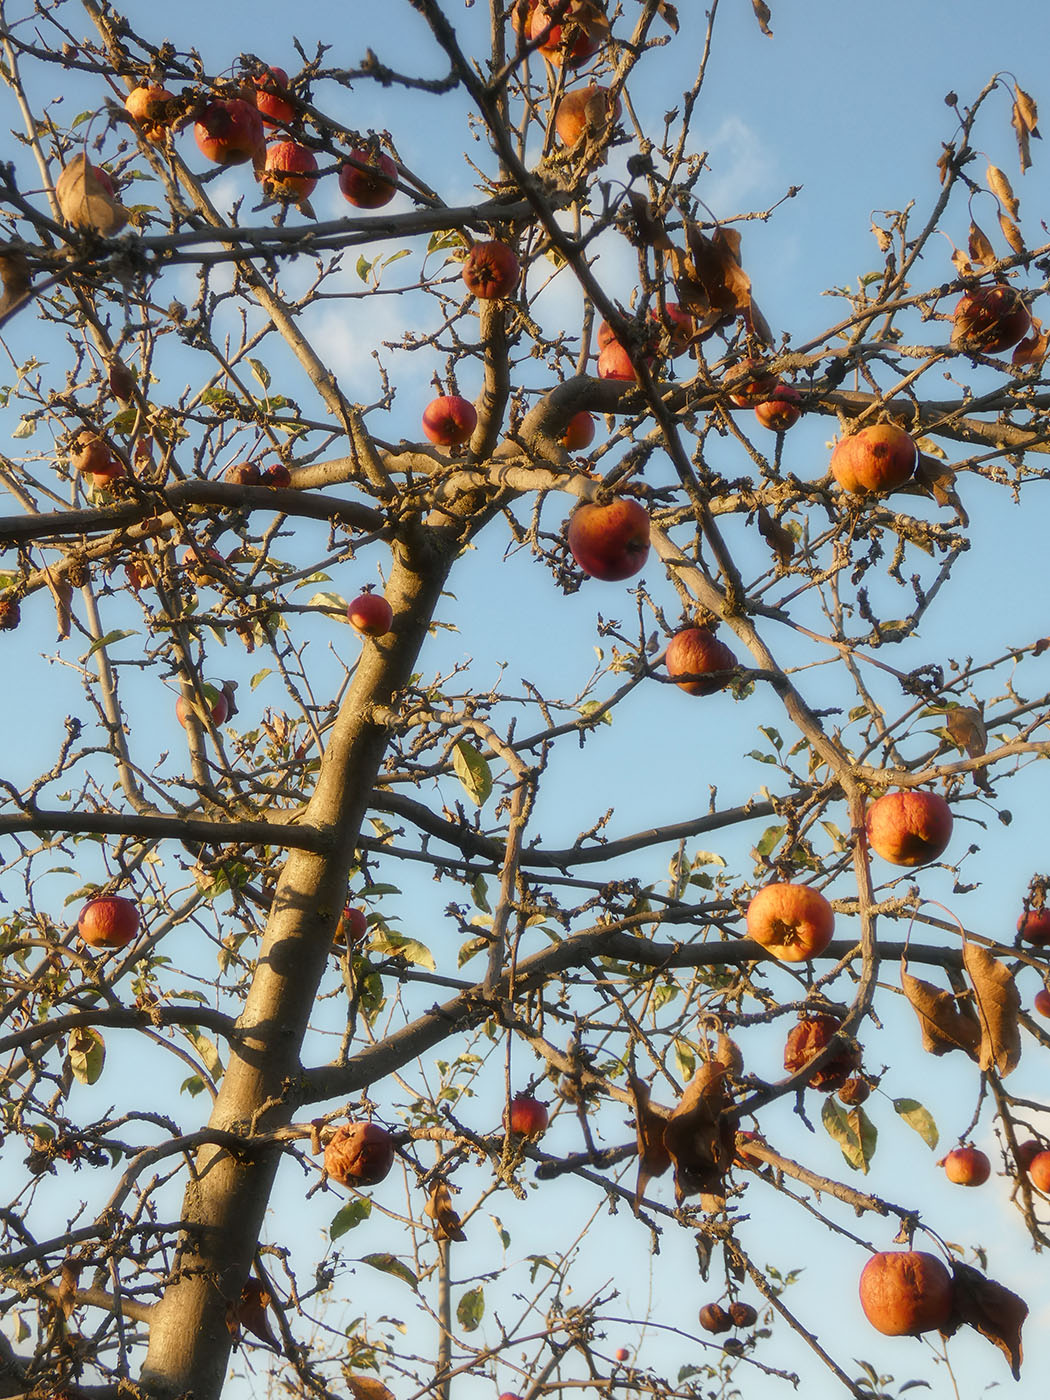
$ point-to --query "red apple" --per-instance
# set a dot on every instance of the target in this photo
(449, 421)
(879, 458)
(905, 1293)
(610, 542)
(990, 319)
(214, 698)
(793, 922)
(197, 564)
(585, 112)
(150, 106)
(754, 383)
(910, 827)
(352, 926)
(371, 614)
(605, 334)
(370, 181)
(359, 1154)
(678, 325)
(492, 270)
(780, 412)
(111, 921)
(1028, 1151)
(615, 363)
(1034, 927)
(271, 97)
(576, 37)
(1042, 1002)
(242, 474)
(277, 476)
(1039, 1172)
(291, 171)
(92, 454)
(967, 1166)
(104, 178)
(694, 652)
(622, 1354)
(229, 131)
(526, 1116)
(579, 432)
(805, 1041)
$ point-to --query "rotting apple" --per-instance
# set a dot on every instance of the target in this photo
(1042, 1002)
(111, 921)
(272, 97)
(10, 614)
(242, 474)
(151, 109)
(577, 35)
(359, 1154)
(526, 1116)
(990, 319)
(855, 1091)
(199, 562)
(371, 614)
(585, 112)
(695, 652)
(782, 410)
(214, 698)
(793, 922)
(449, 421)
(807, 1039)
(491, 270)
(579, 432)
(229, 131)
(677, 327)
(906, 1292)
(93, 455)
(1039, 1172)
(743, 1314)
(910, 827)
(369, 178)
(714, 1318)
(611, 541)
(967, 1166)
(276, 476)
(1034, 927)
(879, 458)
(290, 172)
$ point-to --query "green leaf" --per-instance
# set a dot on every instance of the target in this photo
(769, 839)
(192, 1086)
(364, 267)
(110, 638)
(387, 1264)
(260, 676)
(684, 1059)
(87, 1054)
(480, 895)
(351, 1214)
(471, 1309)
(260, 371)
(395, 945)
(471, 949)
(588, 708)
(206, 1049)
(705, 858)
(920, 1119)
(853, 1130)
(472, 771)
(501, 1231)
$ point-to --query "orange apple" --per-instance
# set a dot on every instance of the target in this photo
(272, 97)
(1042, 1002)
(585, 112)
(793, 922)
(151, 108)
(879, 458)
(229, 131)
(450, 421)
(492, 270)
(93, 455)
(359, 1154)
(906, 1292)
(781, 411)
(990, 319)
(694, 652)
(290, 172)
(579, 432)
(371, 614)
(526, 1116)
(1039, 1172)
(967, 1166)
(610, 542)
(1034, 927)
(576, 37)
(909, 828)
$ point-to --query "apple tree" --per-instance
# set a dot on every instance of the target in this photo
(505, 804)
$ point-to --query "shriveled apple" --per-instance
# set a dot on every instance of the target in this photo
(909, 828)
(491, 270)
(585, 112)
(695, 652)
(807, 1039)
(990, 319)
(906, 1292)
(359, 1154)
(879, 458)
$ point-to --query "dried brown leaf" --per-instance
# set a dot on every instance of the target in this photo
(1032, 350)
(669, 14)
(250, 1313)
(981, 250)
(938, 479)
(1000, 186)
(67, 1287)
(1011, 233)
(646, 228)
(698, 1137)
(962, 263)
(447, 1224)
(990, 1309)
(966, 726)
(779, 539)
(945, 1026)
(653, 1156)
(944, 161)
(14, 272)
(716, 266)
(85, 202)
(998, 1005)
(1027, 111)
(763, 16)
(368, 1388)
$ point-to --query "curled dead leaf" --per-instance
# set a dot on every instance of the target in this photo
(653, 1156)
(447, 1224)
(1000, 186)
(944, 1023)
(763, 15)
(990, 1309)
(998, 1006)
(981, 250)
(1031, 352)
(966, 726)
(781, 541)
(368, 1388)
(85, 202)
(249, 1312)
(1011, 233)
(14, 273)
(938, 479)
(699, 1136)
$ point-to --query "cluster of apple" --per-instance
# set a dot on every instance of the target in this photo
(715, 1318)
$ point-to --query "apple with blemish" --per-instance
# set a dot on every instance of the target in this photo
(880, 458)
(449, 421)
(369, 179)
(229, 131)
(290, 172)
(585, 112)
(906, 1292)
(781, 410)
(909, 828)
(151, 109)
(491, 270)
(271, 96)
(695, 652)
(359, 1154)
(967, 1166)
(242, 474)
(576, 29)
(611, 541)
(989, 320)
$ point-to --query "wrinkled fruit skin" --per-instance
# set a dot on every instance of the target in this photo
(610, 542)
(855, 1091)
(149, 107)
(229, 131)
(526, 1116)
(1034, 927)
(108, 922)
(291, 171)
(492, 270)
(1039, 1171)
(242, 474)
(967, 1166)
(743, 1314)
(271, 96)
(909, 828)
(370, 188)
(781, 411)
(584, 112)
(905, 1293)
(695, 651)
(371, 614)
(714, 1318)
(449, 421)
(880, 458)
(359, 1154)
(807, 1039)
(990, 319)
(93, 455)
(579, 432)
(793, 922)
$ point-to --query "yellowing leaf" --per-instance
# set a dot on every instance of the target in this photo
(87, 1054)
(472, 771)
